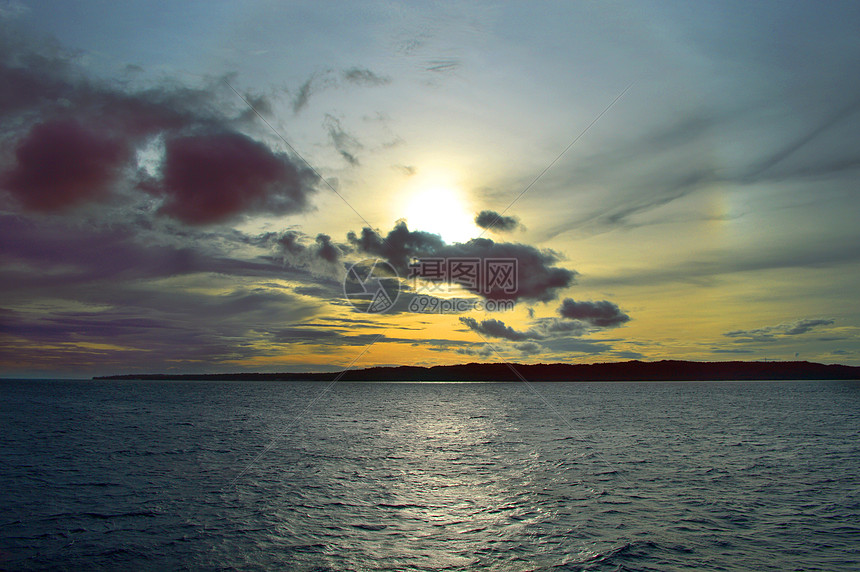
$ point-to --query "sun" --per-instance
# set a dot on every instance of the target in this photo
(440, 210)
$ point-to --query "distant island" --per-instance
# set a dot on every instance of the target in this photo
(666, 370)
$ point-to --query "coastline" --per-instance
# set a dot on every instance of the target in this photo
(665, 370)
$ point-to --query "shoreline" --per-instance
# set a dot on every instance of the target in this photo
(665, 370)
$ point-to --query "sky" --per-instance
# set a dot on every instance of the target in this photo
(206, 187)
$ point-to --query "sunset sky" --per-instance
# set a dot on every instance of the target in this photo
(184, 185)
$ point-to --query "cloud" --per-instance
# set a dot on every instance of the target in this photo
(528, 348)
(564, 335)
(256, 104)
(344, 143)
(364, 77)
(300, 101)
(836, 118)
(212, 178)
(149, 330)
(552, 327)
(442, 65)
(322, 258)
(310, 334)
(98, 259)
(322, 81)
(548, 335)
(484, 351)
(802, 326)
(305, 335)
(731, 351)
(771, 333)
(537, 277)
(91, 133)
(326, 250)
(603, 313)
(61, 163)
(497, 329)
(566, 345)
(825, 252)
(627, 354)
(492, 220)
(640, 176)
(400, 246)
(163, 297)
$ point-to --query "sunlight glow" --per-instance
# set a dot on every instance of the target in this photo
(440, 209)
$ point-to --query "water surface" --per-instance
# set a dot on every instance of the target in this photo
(430, 476)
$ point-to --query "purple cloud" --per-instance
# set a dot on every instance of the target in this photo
(60, 164)
(213, 178)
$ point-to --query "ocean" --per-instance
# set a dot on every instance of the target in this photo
(158, 475)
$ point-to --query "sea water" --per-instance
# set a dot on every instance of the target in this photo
(206, 475)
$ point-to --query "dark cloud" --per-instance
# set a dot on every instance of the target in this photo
(528, 348)
(152, 298)
(121, 298)
(484, 351)
(566, 345)
(256, 104)
(603, 314)
(326, 250)
(364, 77)
(537, 277)
(93, 258)
(313, 291)
(492, 220)
(771, 333)
(214, 178)
(554, 326)
(497, 329)
(289, 241)
(626, 354)
(551, 335)
(802, 326)
(321, 258)
(323, 80)
(400, 246)
(307, 334)
(343, 142)
(61, 163)
(300, 101)
(148, 330)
